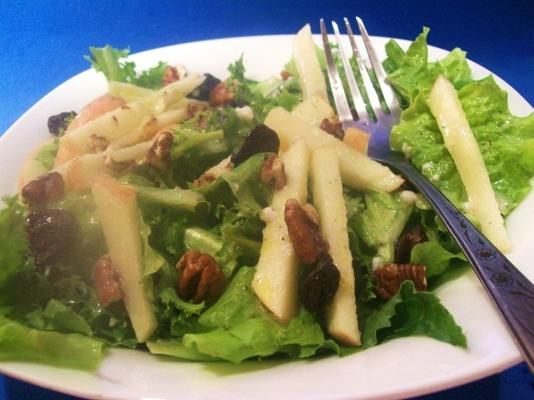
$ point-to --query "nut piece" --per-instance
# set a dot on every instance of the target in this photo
(273, 171)
(194, 108)
(406, 243)
(390, 277)
(43, 190)
(303, 233)
(170, 75)
(221, 95)
(159, 154)
(98, 143)
(106, 281)
(312, 213)
(50, 235)
(285, 75)
(319, 286)
(200, 278)
(333, 127)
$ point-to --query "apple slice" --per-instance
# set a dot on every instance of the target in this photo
(357, 170)
(117, 211)
(327, 189)
(276, 279)
(311, 77)
(463, 147)
(313, 110)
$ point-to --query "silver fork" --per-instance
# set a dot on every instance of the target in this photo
(510, 290)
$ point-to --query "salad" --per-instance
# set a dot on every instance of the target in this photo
(189, 217)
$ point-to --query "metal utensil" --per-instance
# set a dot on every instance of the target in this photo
(510, 290)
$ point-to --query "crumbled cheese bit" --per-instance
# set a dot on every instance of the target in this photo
(267, 214)
(244, 113)
(377, 262)
(408, 196)
(407, 150)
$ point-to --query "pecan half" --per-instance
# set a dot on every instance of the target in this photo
(107, 282)
(390, 277)
(319, 286)
(221, 94)
(333, 127)
(273, 172)
(51, 234)
(159, 154)
(43, 190)
(200, 278)
(304, 233)
(406, 243)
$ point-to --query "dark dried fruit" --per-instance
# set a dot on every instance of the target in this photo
(319, 286)
(261, 139)
(50, 234)
(57, 124)
(43, 190)
(107, 282)
(406, 243)
(200, 278)
(390, 277)
(333, 127)
(303, 233)
(273, 172)
(203, 92)
(159, 154)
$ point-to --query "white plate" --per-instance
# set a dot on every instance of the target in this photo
(400, 368)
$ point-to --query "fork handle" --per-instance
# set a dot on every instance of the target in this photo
(510, 290)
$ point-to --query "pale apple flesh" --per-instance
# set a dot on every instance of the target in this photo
(117, 211)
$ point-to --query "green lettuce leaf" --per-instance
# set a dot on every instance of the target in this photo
(412, 313)
(113, 64)
(435, 257)
(47, 154)
(20, 343)
(13, 251)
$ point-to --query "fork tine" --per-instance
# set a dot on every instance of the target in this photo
(387, 91)
(357, 99)
(363, 69)
(342, 105)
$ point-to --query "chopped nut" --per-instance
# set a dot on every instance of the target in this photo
(98, 143)
(43, 190)
(406, 243)
(170, 75)
(50, 235)
(320, 284)
(200, 278)
(304, 233)
(273, 171)
(106, 281)
(159, 154)
(390, 277)
(194, 108)
(221, 94)
(333, 127)
(285, 75)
